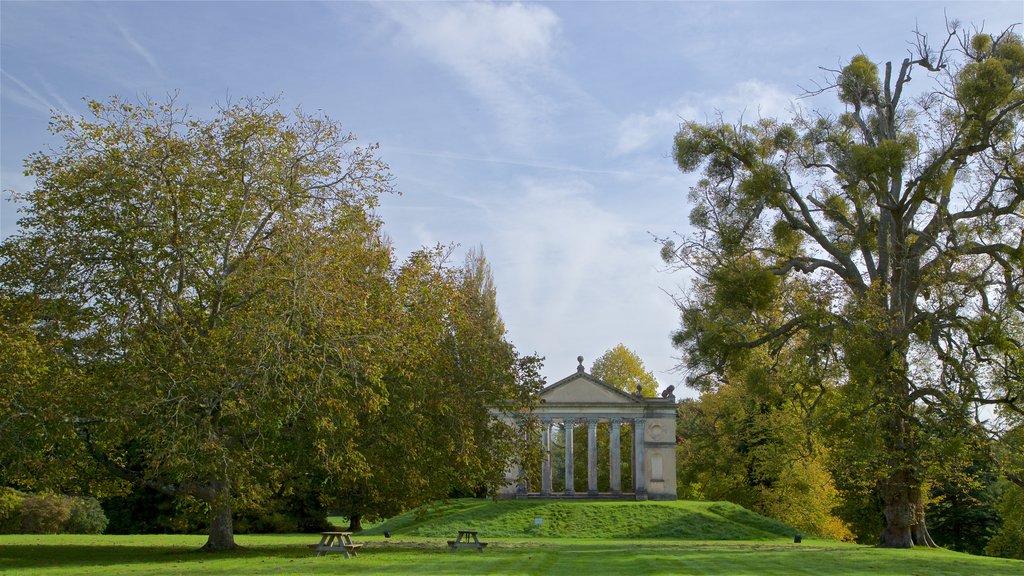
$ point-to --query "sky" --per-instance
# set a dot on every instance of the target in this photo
(541, 132)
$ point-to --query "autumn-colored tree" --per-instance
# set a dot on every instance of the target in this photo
(623, 368)
(755, 434)
(209, 285)
(209, 309)
(450, 366)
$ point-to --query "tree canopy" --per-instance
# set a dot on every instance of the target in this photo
(216, 311)
(889, 238)
(623, 368)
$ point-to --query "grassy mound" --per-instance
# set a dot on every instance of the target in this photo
(684, 520)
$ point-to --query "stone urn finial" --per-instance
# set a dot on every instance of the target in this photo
(579, 369)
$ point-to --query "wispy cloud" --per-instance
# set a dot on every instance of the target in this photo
(502, 53)
(25, 95)
(553, 166)
(136, 47)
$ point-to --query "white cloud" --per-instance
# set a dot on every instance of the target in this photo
(640, 130)
(501, 52)
(753, 97)
(576, 277)
(748, 99)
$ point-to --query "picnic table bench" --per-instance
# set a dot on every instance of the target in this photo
(467, 539)
(335, 542)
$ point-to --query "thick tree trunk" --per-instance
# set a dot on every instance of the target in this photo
(355, 522)
(222, 529)
(899, 533)
(902, 492)
(899, 512)
(905, 525)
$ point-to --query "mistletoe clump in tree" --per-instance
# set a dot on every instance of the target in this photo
(892, 235)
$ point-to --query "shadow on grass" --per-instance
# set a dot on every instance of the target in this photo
(50, 555)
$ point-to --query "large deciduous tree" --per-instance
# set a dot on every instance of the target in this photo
(903, 216)
(210, 282)
(452, 365)
(208, 308)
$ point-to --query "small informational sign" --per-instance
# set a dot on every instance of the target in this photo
(538, 521)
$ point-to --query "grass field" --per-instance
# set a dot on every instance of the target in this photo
(418, 547)
(288, 554)
(686, 520)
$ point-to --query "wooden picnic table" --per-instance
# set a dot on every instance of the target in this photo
(336, 542)
(467, 539)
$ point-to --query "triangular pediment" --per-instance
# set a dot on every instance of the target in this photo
(582, 388)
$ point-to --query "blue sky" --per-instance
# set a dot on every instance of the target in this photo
(540, 131)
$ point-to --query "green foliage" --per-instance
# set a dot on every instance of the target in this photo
(87, 516)
(786, 238)
(689, 150)
(753, 453)
(208, 308)
(436, 435)
(984, 86)
(746, 284)
(623, 368)
(858, 82)
(876, 255)
(49, 513)
(1008, 541)
(10, 510)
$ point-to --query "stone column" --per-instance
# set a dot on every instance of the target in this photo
(569, 490)
(639, 481)
(523, 486)
(615, 456)
(545, 462)
(592, 457)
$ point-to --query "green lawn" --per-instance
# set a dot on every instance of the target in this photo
(288, 554)
(589, 538)
(682, 519)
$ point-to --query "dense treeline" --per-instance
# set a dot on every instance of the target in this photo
(209, 309)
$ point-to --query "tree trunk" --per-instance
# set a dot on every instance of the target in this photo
(222, 529)
(899, 512)
(905, 525)
(355, 522)
(919, 531)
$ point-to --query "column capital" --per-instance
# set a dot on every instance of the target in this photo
(615, 420)
(592, 424)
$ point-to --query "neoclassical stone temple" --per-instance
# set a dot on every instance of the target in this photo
(582, 401)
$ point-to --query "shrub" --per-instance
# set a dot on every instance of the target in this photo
(87, 516)
(45, 514)
(268, 523)
(10, 510)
